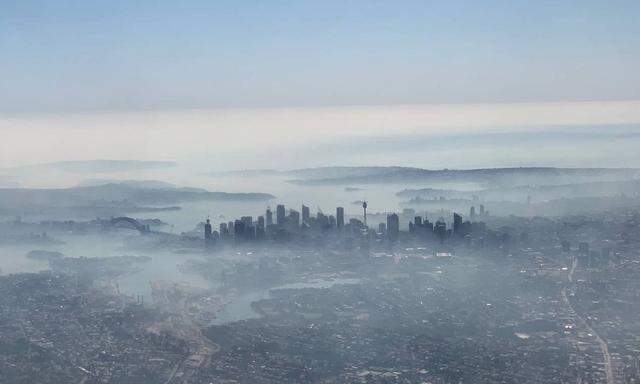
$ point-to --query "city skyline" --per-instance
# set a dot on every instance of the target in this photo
(322, 192)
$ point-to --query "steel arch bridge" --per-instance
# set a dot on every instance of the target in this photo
(128, 222)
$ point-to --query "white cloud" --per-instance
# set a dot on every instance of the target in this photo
(245, 135)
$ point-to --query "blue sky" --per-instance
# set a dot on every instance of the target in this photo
(110, 55)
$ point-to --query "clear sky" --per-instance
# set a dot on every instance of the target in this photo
(58, 55)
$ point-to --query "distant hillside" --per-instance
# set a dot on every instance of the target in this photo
(487, 177)
(94, 166)
(247, 173)
(111, 195)
(338, 173)
(312, 173)
(146, 184)
(539, 192)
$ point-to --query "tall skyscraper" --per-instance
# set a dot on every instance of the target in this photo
(238, 229)
(305, 214)
(440, 229)
(322, 220)
(457, 224)
(294, 218)
(247, 220)
(340, 217)
(472, 213)
(269, 216)
(260, 228)
(332, 221)
(208, 234)
(393, 227)
(280, 215)
(207, 230)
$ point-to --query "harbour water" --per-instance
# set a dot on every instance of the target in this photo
(240, 308)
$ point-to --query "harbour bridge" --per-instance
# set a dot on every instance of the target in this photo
(128, 222)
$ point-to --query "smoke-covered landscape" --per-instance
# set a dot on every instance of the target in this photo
(319, 192)
(533, 266)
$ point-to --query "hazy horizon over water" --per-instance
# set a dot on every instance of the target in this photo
(573, 134)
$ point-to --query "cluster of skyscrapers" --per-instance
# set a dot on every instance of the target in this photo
(290, 223)
(458, 231)
(286, 224)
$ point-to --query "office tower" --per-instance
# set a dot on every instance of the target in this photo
(207, 230)
(269, 215)
(364, 208)
(247, 229)
(260, 228)
(224, 231)
(250, 232)
(472, 213)
(466, 228)
(238, 229)
(322, 220)
(280, 215)
(261, 222)
(382, 228)
(208, 235)
(428, 226)
(305, 214)
(393, 227)
(340, 217)
(332, 221)
(440, 229)
(294, 218)
(417, 221)
(247, 221)
(457, 224)
(481, 210)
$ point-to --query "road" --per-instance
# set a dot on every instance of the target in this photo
(182, 325)
(603, 345)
